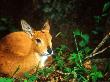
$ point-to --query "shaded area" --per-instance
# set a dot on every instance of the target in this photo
(62, 14)
(65, 16)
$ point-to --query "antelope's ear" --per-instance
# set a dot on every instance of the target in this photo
(26, 28)
(46, 26)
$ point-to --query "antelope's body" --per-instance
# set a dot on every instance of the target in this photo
(25, 50)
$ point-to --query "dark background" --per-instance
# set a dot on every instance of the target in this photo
(64, 17)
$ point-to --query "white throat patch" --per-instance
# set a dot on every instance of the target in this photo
(43, 60)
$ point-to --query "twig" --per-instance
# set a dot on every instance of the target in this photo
(99, 45)
(99, 52)
(62, 72)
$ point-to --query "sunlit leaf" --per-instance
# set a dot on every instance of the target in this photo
(25, 80)
(6, 80)
(82, 43)
(67, 70)
(73, 57)
(85, 40)
(77, 32)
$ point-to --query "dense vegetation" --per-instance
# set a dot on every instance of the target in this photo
(77, 54)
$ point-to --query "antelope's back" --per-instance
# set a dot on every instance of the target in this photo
(16, 44)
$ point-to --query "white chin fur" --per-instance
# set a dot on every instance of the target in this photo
(42, 60)
(44, 57)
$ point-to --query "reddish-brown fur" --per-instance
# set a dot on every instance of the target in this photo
(18, 50)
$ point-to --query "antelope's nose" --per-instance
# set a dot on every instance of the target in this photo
(49, 50)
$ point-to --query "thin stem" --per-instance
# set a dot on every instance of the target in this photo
(76, 42)
(99, 45)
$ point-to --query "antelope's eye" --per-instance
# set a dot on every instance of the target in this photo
(38, 40)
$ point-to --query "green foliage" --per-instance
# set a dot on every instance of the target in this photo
(57, 9)
(105, 12)
(97, 19)
(45, 71)
(6, 23)
(30, 78)
(84, 37)
(95, 74)
(6, 80)
(87, 50)
(59, 61)
(69, 63)
(61, 49)
(106, 6)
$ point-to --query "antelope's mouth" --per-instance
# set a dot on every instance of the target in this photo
(47, 53)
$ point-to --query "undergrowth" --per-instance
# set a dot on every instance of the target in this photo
(68, 65)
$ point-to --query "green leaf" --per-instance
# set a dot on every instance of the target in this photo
(67, 70)
(75, 74)
(63, 47)
(47, 9)
(84, 79)
(94, 68)
(85, 40)
(82, 43)
(45, 71)
(87, 50)
(77, 32)
(97, 19)
(80, 56)
(94, 32)
(59, 60)
(26, 74)
(25, 80)
(33, 78)
(106, 6)
(6, 80)
(73, 57)
(85, 37)
(95, 74)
